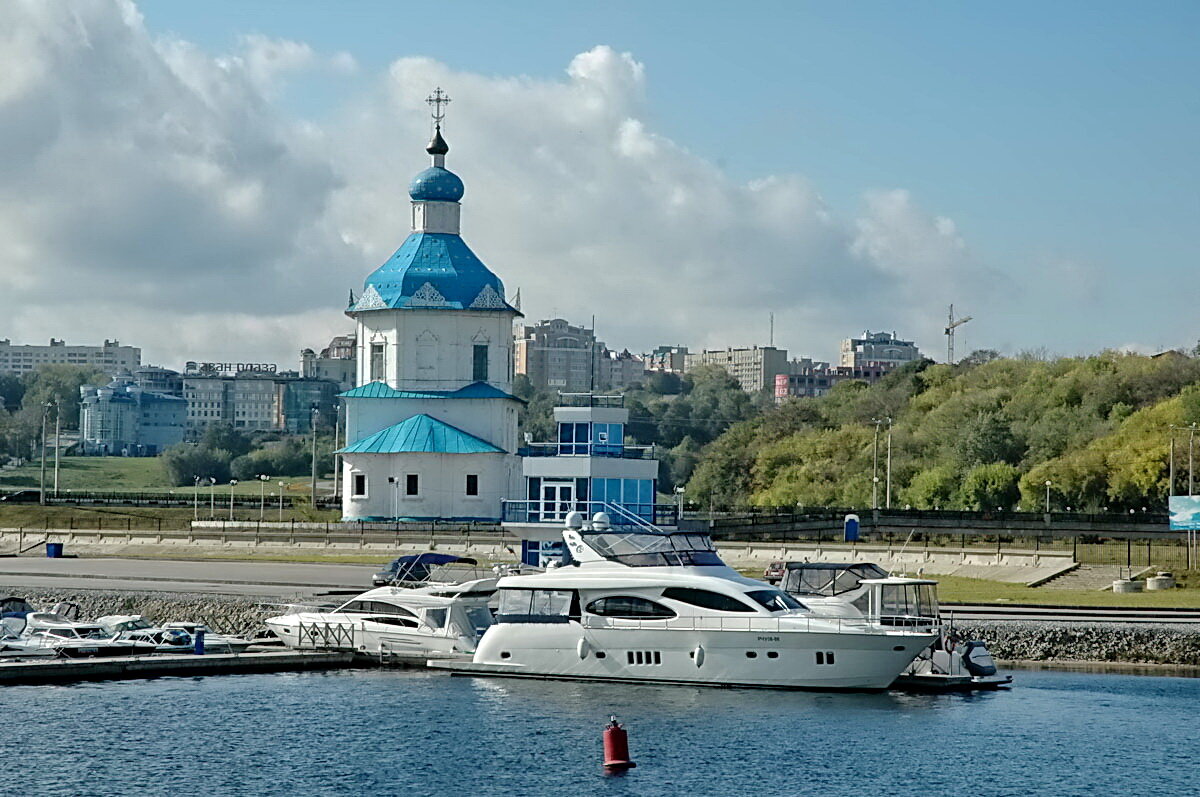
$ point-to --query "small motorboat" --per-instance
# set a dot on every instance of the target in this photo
(137, 628)
(72, 639)
(214, 642)
(862, 589)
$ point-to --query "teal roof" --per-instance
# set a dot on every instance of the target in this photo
(433, 270)
(421, 434)
(475, 390)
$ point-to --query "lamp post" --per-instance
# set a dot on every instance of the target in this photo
(1191, 438)
(57, 419)
(42, 478)
(313, 423)
(1171, 464)
(212, 497)
(232, 484)
(875, 467)
(280, 502)
(262, 495)
(888, 490)
(1048, 496)
(195, 498)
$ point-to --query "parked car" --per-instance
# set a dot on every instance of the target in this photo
(22, 497)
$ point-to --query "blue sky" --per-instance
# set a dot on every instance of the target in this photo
(1058, 138)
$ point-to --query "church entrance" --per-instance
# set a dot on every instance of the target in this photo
(558, 499)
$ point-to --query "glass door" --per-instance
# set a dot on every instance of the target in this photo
(558, 499)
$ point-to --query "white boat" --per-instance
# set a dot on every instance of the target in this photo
(137, 628)
(440, 620)
(69, 638)
(214, 642)
(644, 604)
(861, 589)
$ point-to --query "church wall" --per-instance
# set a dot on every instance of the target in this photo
(441, 484)
(434, 349)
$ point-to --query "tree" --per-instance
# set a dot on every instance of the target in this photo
(992, 486)
(935, 488)
(12, 390)
(57, 384)
(663, 383)
(986, 439)
(223, 437)
(185, 461)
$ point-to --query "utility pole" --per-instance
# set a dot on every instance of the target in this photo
(337, 433)
(1171, 465)
(57, 418)
(952, 325)
(1191, 438)
(875, 468)
(42, 478)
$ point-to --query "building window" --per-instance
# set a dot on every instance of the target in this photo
(472, 484)
(411, 484)
(479, 367)
(376, 361)
(358, 485)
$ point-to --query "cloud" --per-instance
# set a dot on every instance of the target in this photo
(156, 192)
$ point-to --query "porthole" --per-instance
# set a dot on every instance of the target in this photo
(772, 654)
(820, 657)
(657, 657)
(898, 647)
(829, 657)
(504, 654)
(750, 654)
(600, 654)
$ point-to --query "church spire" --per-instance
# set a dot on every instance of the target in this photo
(437, 145)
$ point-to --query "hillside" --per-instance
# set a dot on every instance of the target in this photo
(988, 432)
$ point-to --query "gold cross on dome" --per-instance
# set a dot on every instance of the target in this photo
(438, 100)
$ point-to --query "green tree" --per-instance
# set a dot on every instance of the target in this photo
(223, 437)
(57, 384)
(184, 462)
(991, 486)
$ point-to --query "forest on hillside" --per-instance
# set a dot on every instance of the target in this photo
(985, 433)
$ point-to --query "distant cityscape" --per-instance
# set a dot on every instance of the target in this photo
(145, 409)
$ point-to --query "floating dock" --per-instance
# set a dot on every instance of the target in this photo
(157, 666)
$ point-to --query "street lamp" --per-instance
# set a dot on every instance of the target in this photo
(280, 502)
(262, 494)
(42, 479)
(212, 497)
(312, 420)
(232, 484)
(1048, 496)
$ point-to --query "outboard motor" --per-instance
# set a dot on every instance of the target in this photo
(976, 658)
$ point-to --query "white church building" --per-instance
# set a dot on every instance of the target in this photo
(431, 427)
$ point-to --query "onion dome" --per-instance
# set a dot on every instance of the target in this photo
(436, 184)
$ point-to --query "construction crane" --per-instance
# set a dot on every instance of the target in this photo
(951, 325)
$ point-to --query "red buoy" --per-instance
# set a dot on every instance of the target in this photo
(616, 746)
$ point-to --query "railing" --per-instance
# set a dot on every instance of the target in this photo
(611, 450)
(181, 496)
(556, 512)
(589, 400)
(771, 625)
(326, 636)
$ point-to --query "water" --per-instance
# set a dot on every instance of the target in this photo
(416, 733)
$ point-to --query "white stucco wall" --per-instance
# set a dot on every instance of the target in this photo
(442, 485)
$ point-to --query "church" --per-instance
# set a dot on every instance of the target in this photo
(431, 426)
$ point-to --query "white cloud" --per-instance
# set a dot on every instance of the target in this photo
(156, 192)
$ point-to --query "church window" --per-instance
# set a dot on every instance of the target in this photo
(472, 484)
(479, 367)
(376, 361)
(427, 356)
(411, 484)
(358, 485)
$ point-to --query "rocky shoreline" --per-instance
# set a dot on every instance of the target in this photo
(1051, 641)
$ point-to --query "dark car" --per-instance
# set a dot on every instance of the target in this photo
(22, 497)
(415, 567)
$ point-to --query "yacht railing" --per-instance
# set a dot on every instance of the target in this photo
(884, 625)
(326, 636)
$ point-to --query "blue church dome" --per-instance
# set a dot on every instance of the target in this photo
(436, 184)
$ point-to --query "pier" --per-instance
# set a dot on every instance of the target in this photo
(159, 665)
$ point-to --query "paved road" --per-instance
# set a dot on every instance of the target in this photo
(1098, 614)
(229, 577)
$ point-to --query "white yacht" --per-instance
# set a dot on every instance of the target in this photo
(440, 620)
(643, 604)
(862, 589)
(59, 632)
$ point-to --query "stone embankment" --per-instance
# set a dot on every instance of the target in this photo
(1040, 640)
(231, 614)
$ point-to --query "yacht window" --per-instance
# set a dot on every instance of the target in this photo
(403, 622)
(706, 599)
(629, 608)
(535, 605)
(435, 618)
(375, 607)
(480, 618)
(774, 600)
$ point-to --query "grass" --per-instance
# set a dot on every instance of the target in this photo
(954, 589)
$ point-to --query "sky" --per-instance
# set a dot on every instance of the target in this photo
(209, 181)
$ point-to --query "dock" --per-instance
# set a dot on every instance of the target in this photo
(158, 665)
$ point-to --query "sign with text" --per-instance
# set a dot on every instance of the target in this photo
(206, 369)
(1185, 512)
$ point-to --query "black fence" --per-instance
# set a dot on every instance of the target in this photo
(182, 497)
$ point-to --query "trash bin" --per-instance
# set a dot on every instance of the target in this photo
(54, 550)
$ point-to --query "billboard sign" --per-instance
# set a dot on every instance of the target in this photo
(1185, 512)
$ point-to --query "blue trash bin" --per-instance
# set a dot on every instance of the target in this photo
(54, 550)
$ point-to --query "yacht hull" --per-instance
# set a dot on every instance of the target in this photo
(764, 659)
(321, 632)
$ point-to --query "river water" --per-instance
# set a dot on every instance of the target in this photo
(385, 732)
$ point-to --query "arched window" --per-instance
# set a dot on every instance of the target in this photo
(629, 607)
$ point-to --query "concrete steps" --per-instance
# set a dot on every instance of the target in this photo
(1089, 577)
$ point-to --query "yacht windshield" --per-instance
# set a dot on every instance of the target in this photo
(774, 600)
(815, 578)
(637, 549)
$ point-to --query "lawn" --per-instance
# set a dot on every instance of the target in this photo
(136, 474)
(953, 589)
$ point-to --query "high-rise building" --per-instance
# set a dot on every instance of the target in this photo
(125, 419)
(754, 368)
(557, 356)
(668, 359)
(112, 358)
(257, 401)
(336, 362)
(877, 348)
